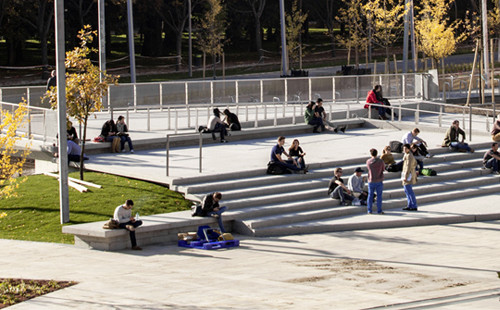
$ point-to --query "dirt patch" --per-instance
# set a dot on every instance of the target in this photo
(372, 276)
(13, 291)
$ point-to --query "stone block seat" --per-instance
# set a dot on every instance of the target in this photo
(159, 228)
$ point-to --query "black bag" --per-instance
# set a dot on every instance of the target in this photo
(394, 168)
(196, 210)
(275, 168)
(396, 146)
(203, 129)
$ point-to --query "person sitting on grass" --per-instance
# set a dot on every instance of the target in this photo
(123, 214)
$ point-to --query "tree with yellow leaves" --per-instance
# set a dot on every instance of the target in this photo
(351, 16)
(12, 159)
(294, 28)
(384, 22)
(84, 90)
(437, 36)
(212, 31)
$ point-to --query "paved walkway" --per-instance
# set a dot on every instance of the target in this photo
(443, 267)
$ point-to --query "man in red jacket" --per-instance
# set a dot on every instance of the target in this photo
(373, 98)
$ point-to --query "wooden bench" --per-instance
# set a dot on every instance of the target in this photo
(156, 229)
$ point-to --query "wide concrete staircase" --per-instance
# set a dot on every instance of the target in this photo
(270, 205)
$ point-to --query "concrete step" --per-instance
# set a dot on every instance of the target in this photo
(393, 198)
(290, 192)
(396, 217)
(256, 178)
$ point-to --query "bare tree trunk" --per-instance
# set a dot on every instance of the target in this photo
(178, 45)
(258, 37)
(82, 151)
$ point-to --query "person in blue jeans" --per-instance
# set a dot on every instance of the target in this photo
(276, 157)
(376, 168)
(210, 207)
(409, 178)
(452, 141)
(491, 159)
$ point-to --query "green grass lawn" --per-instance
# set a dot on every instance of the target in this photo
(34, 214)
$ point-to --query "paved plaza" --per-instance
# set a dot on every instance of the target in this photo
(439, 267)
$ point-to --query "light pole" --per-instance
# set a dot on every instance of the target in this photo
(131, 50)
(102, 44)
(190, 52)
(284, 54)
(61, 110)
(484, 16)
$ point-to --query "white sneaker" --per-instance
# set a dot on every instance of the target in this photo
(123, 151)
(132, 151)
(428, 155)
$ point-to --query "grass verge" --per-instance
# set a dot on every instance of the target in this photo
(34, 215)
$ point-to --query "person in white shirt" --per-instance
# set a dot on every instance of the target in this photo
(123, 214)
(215, 124)
(412, 137)
(356, 184)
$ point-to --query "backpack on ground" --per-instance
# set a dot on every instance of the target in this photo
(203, 129)
(396, 146)
(429, 172)
(275, 168)
(394, 168)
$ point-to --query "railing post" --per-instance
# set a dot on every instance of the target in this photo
(487, 121)
(284, 109)
(111, 112)
(135, 98)
(400, 111)
(197, 123)
(186, 93)
(293, 117)
(28, 95)
(237, 92)
(29, 122)
(261, 91)
(286, 90)
(331, 111)
(169, 119)
(109, 97)
(176, 120)
(348, 115)
(161, 96)
(440, 118)
(212, 92)
(208, 114)
(188, 116)
(369, 111)
(357, 89)
(167, 154)
(310, 88)
(149, 120)
(417, 114)
(470, 122)
(404, 86)
(201, 152)
(246, 112)
(265, 111)
(44, 128)
(128, 119)
(333, 90)
(275, 115)
(256, 124)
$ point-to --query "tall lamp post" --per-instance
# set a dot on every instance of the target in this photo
(61, 110)
(102, 43)
(284, 54)
(190, 52)
(131, 50)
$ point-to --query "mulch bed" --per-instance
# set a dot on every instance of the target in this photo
(13, 291)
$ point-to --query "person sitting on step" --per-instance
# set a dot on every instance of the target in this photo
(232, 120)
(491, 159)
(412, 137)
(451, 139)
(215, 124)
(122, 132)
(338, 190)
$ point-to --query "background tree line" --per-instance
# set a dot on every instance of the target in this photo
(251, 26)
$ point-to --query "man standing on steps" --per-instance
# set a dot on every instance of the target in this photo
(491, 159)
(375, 167)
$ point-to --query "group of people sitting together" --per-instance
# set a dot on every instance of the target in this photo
(294, 161)
(221, 125)
(315, 116)
(382, 105)
(119, 131)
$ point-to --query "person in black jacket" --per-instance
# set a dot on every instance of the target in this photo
(210, 207)
(232, 120)
(108, 131)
